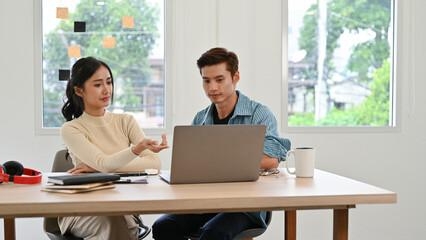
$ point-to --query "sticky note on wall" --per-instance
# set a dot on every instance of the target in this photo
(109, 42)
(128, 22)
(74, 51)
(62, 13)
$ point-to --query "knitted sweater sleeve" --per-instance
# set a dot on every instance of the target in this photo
(82, 148)
(147, 159)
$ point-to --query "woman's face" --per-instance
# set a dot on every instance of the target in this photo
(96, 92)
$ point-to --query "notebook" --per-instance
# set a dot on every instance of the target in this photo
(216, 153)
(83, 178)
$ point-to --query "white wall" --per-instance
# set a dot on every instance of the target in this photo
(394, 161)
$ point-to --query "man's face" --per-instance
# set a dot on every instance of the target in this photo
(218, 84)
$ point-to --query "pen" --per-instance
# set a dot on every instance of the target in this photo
(130, 174)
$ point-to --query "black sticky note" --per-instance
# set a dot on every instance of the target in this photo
(64, 75)
(79, 26)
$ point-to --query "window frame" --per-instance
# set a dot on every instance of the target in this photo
(38, 74)
(395, 91)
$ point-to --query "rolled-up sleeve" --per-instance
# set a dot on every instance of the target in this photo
(275, 146)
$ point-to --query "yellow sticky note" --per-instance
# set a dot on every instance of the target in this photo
(109, 42)
(128, 22)
(62, 13)
(74, 51)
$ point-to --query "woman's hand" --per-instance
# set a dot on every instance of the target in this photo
(81, 168)
(163, 145)
(150, 144)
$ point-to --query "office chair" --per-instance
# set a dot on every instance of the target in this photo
(62, 163)
(246, 234)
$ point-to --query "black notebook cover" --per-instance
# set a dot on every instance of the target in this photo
(81, 179)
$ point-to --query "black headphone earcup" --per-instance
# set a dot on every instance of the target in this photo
(13, 168)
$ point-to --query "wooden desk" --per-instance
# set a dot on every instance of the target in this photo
(274, 192)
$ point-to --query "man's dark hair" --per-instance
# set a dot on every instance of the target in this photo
(219, 55)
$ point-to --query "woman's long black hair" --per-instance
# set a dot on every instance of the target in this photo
(82, 70)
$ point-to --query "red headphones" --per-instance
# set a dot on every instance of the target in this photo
(12, 171)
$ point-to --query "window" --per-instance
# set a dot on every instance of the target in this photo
(126, 34)
(340, 63)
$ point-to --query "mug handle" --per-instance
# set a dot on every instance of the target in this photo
(286, 162)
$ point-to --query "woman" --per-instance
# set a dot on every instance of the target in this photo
(101, 141)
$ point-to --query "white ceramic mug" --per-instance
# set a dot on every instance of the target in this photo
(304, 161)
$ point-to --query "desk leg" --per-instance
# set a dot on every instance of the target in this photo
(290, 225)
(340, 224)
(9, 229)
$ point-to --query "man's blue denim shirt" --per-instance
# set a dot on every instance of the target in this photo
(248, 111)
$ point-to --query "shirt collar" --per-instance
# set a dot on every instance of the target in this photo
(242, 108)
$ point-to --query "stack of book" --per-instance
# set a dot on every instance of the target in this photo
(80, 183)
(88, 187)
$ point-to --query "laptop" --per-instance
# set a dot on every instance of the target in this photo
(216, 153)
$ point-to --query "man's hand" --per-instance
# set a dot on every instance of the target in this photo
(81, 168)
(268, 162)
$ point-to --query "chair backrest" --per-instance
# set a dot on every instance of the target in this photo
(62, 162)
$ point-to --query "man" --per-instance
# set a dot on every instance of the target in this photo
(219, 70)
